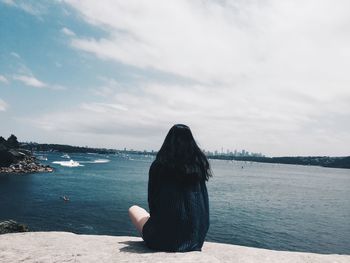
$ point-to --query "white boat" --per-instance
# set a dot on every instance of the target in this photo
(69, 163)
(72, 163)
(65, 156)
(42, 158)
(65, 198)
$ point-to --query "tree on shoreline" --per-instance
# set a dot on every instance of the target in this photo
(3, 144)
(12, 142)
(2, 140)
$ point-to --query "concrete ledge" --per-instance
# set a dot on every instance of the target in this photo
(69, 247)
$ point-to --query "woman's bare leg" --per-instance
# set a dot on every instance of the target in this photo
(139, 217)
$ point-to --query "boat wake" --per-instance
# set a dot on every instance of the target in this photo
(101, 161)
(97, 161)
(72, 163)
(69, 163)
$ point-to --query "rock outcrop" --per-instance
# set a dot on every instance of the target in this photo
(11, 226)
(20, 161)
(68, 247)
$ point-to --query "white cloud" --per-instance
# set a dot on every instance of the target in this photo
(16, 55)
(8, 2)
(103, 107)
(217, 117)
(219, 42)
(109, 89)
(33, 8)
(30, 81)
(3, 79)
(3, 105)
(57, 87)
(67, 31)
(269, 76)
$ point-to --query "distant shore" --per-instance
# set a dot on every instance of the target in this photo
(324, 161)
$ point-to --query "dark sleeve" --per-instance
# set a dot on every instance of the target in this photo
(153, 186)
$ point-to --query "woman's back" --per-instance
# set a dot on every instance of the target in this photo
(179, 210)
(177, 195)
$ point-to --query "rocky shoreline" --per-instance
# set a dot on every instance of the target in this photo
(16, 160)
(11, 226)
(21, 162)
(29, 164)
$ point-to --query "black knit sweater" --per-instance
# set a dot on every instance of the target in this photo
(179, 210)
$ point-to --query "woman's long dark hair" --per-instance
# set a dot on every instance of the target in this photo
(181, 154)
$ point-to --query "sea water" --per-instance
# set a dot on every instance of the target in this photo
(274, 206)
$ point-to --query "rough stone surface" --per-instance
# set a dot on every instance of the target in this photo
(69, 247)
(11, 226)
(20, 161)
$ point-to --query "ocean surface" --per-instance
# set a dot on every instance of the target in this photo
(274, 206)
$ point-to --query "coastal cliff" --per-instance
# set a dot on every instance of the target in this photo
(69, 247)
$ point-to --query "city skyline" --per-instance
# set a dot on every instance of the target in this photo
(231, 152)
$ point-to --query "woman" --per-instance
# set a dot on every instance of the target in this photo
(177, 196)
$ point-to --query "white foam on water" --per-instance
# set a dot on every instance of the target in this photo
(97, 161)
(41, 158)
(69, 163)
(102, 161)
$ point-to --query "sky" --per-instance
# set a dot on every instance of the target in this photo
(266, 76)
